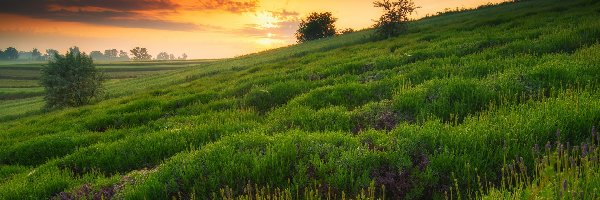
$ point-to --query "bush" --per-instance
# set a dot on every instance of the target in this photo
(71, 80)
(316, 26)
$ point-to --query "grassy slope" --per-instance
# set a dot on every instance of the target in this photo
(452, 99)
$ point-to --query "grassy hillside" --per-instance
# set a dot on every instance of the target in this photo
(480, 104)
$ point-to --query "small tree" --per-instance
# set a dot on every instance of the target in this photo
(140, 54)
(36, 54)
(316, 26)
(71, 80)
(162, 56)
(393, 21)
(11, 53)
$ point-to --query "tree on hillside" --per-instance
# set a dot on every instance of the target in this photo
(393, 21)
(316, 26)
(11, 53)
(140, 54)
(162, 56)
(70, 80)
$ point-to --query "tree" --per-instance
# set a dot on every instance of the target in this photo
(123, 55)
(50, 54)
(316, 26)
(171, 57)
(36, 54)
(393, 21)
(162, 56)
(140, 54)
(184, 56)
(97, 55)
(2, 55)
(71, 80)
(74, 50)
(111, 53)
(11, 53)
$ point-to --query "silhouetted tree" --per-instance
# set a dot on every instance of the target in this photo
(140, 54)
(393, 21)
(2, 55)
(11, 53)
(123, 55)
(316, 26)
(36, 54)
(97, 55)
(50, 54)
(162, 56)
(110, 53)
(70, 80)
(171, 57)
(74, 50)
(184, 56)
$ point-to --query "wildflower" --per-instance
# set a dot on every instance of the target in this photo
(548, 146)
(557, 134)
(584, 150)
(536, 149)
(565, 185)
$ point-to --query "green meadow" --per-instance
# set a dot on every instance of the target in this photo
(494, 103)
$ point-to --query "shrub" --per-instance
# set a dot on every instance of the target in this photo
(71, 80)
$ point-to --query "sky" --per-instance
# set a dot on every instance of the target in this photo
(199, 28)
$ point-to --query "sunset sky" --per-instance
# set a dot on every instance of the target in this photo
(200, 28)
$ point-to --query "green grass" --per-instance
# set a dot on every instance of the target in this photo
(436, 112)
(21, 80)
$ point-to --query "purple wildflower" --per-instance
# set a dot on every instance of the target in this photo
(584, 150)
(565, 185)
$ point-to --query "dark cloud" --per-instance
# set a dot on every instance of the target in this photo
(121, 13)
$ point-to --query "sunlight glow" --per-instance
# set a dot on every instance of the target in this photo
(266, 20)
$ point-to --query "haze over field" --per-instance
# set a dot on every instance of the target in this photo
(200, 28)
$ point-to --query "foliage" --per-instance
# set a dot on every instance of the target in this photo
(394, 21)
(9, 54)
(316, 26)
(140, 54)
(71, 80)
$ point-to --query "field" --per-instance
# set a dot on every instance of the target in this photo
(19, 82)
(495, 103)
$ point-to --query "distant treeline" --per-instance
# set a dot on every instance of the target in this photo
(12, 54)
